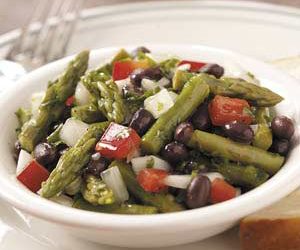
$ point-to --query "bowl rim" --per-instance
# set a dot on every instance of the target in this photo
(268, 193)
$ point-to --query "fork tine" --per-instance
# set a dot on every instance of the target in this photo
(57, 19)
(68, 35)
(44, 37)
(60, 38)
(20, 43)
(29, 45)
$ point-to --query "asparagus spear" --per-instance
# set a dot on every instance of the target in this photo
(141, 56)
(91, 78)
(168, 66)
(219, 146)
(263, 136)
(106, 94)
(164, 203)
(73, 161)
(54, 137)
(111, 104)
(23, 116)
(232, 87)
(96, 192)
(257, 95)
(87, 113)
(121, 55)
(115, 208)
(246, 176)
(192, 95)
(53, 103)
(180, 78)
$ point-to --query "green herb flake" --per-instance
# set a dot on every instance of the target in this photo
(150, 163)
(160, 106)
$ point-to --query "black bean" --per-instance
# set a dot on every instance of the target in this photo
(200, 118)
(184, 132)
(45, 153)
(62, 148)
(17, 149)
(198, 192)
(130, 90)
(193, 165)
(280, 146)
(282, 127)
(138, 75)
(66, 114)
(213, 69)
(141, 121)
(175, 152)
(218, 131)
(96, 165)
(239, 132)
(143, 49)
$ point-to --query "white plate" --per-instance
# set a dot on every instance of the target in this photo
(259, 30)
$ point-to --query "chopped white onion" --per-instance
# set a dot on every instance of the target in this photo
(173, 95)
(238, 192)
(149, 161)
(247, 76)
(148, 84)
(254, 127)
(163, 82)
(159, 103)
(23, 160)
(138, 164)
(36, 100)
(234, 69)
(63, 200)
(178, 181)
(113, 179)
(213, 175)
(72, 131)
(82, 95)
(74, 187)
(135, 153)
(122, 83)
(184, 67)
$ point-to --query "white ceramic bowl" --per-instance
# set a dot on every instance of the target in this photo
(151, 230)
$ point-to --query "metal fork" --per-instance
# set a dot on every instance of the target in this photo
(46, 35)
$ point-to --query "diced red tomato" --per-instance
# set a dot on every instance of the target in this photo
(122, 69)
(118, 142)
(195, 66)
(152, 180)
(70, 101)
(223, 110)
(221, 191)
(33, 175)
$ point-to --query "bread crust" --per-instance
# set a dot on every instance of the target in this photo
(265, 234)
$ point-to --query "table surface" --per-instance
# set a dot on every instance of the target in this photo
(15, 12)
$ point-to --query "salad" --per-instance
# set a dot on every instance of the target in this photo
(140, 136)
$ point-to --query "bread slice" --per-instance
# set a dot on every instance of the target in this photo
(274, 228)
